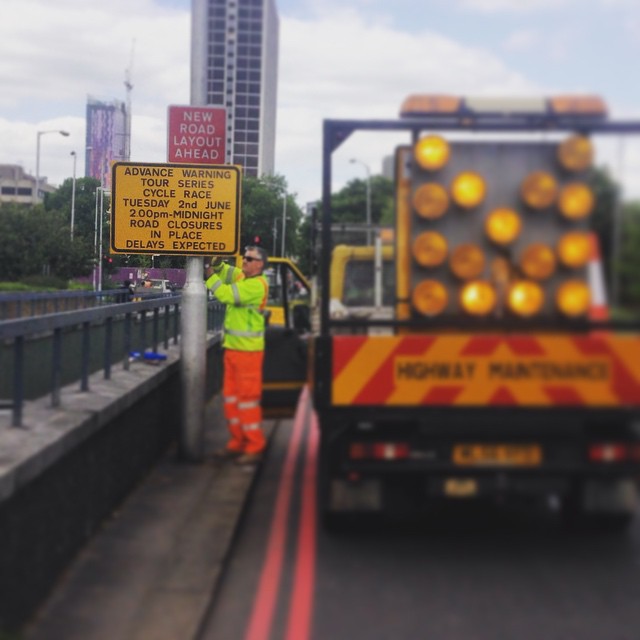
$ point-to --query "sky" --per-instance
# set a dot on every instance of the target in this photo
(338, 59)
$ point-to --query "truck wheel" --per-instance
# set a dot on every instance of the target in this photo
(577, 518)
(325, 516)
(599, 522)
(331, 521)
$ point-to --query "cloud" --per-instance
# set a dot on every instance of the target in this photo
(54, 55)
(522, 40)
(345, 66)
(516, 6)
(338, 63)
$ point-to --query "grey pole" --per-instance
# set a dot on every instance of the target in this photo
(36, 197)
(193, 361)
(194, 295)
(95, 244)
(284, 221)
(73, 193)
(100, 225)
(368, 196)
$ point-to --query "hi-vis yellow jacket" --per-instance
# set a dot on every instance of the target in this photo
(245, 298)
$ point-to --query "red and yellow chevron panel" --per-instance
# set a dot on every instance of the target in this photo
(488, 370)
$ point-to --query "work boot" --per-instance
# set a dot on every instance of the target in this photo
(249, 459)
(226, 454)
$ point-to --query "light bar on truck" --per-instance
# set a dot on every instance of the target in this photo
(539, 190)
(538, 261)
(574, 249)
(478, 107)
(576, 153)
(430, 249)
(467, 261)
(468, 189)
(525, 298)
(478, 298)
(431, 201)
(573, 298)
(503, 226)
(432, 152)
(576, 201)
(430, 297)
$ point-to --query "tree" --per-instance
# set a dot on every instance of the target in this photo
(628, 264)
(350, 203)
(607, 193)
(263, 207)
(37, 242)
(84, 208)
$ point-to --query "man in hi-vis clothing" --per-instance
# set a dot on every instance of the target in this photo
(244, 292)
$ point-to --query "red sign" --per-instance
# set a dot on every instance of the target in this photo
(197, 135)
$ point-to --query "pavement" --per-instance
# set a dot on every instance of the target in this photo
(151, 571)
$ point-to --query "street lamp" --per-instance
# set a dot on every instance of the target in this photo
(41, 133)
(97, 237)
(73, 193)
(366, 168)
(284, 219)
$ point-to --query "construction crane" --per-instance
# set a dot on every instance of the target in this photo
(129, 87)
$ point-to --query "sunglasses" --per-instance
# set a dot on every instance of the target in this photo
(250, 258)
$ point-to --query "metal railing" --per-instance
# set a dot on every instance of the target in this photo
(24, 304)
(56, 328)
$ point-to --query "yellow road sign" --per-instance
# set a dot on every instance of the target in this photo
(175, 209)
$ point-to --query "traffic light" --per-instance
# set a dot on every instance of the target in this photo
(493, 228)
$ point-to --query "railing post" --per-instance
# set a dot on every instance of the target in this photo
(86, 345)
(108, 339)
(18, 380)
(56, 367)
(127, 341)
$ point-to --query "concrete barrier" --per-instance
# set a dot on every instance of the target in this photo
(68, 468)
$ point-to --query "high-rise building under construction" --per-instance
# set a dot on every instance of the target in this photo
(234, 65)
(107, 138)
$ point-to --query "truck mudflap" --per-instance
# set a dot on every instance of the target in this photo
(466, 370)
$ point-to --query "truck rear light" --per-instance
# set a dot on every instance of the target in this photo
(379, 450)
(606, 452)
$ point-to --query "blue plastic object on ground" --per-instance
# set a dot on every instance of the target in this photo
(148, 355)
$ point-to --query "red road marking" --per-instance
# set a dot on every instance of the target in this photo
(301, 607)
(259, 627)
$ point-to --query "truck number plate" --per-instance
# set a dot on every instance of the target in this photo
(514, 455)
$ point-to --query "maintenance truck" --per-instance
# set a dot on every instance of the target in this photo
(490, 370)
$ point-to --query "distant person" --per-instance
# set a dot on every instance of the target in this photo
(245, 293)
(129, 288)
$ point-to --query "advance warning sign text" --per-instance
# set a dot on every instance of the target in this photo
(175, 209)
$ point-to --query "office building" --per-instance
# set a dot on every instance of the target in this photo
(107, 138)
(18, 186)
(235, 65)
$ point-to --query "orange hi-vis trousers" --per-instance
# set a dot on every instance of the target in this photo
(242, 391)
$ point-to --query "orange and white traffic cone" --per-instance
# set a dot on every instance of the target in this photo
(599, 308)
